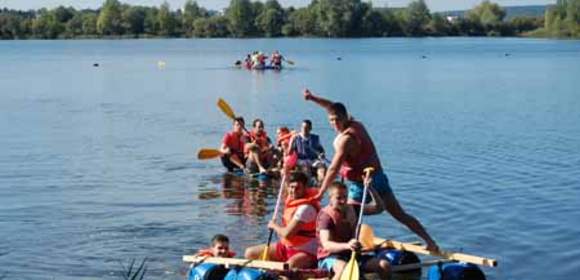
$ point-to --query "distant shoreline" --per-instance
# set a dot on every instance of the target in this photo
(320, 19)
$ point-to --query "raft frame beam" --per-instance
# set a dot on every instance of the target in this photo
(385, 243)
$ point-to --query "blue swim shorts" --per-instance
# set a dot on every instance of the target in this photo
(380, 182)
(328, 262)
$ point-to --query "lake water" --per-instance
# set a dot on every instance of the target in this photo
(480, 139)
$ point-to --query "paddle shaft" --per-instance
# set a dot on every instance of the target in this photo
(276, 208)
(362, 203)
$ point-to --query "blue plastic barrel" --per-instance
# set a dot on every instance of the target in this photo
(248, 274)
(396, 257)
(207, 271)
(455, 271)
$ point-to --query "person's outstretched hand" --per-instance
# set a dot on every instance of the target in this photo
(307, 94)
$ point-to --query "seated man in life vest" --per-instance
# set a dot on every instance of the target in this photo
(276, 60)
(232, 147)
(336, 230)
(309, 151)
(220, 247)
(260, 149)
(297, 232)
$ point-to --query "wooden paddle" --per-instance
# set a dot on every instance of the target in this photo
(351, 270)
(227, 109)
(208, 154)
(274, 216)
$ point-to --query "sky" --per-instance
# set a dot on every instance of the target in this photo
(434, 5)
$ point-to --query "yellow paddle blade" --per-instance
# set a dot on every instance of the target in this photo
(265, 253)
(350, 271)
(225, 107)
(208, 154)
(290, 62)
(367, 237)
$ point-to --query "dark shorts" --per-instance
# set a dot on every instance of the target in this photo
(228, 164)
(380, 182)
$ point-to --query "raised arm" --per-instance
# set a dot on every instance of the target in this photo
(322, 102)
(340, 154)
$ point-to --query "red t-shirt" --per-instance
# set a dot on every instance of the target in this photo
(235, 142)
(342, 228)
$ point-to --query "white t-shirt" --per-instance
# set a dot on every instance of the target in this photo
(306, 214)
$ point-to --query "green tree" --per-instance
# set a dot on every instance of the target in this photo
(166, 21)
(109, 21)
(89, 23)
(133, 20)
(74, 27)
(340, 18)
(439, 26)
(46, 26)
(271, 19)
(241, 18)
(416, 18)
(301, 22)
(191, 12)
(150, 23)
(216, 26)
(487, 14)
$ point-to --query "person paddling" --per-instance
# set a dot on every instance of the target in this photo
(355, 151)
(298, 244)
(276, 60)
(232, 147)
(336, 227)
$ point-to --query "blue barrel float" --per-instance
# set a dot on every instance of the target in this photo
(455, 271)
(207, 271)
(248, 274)
(396, 257)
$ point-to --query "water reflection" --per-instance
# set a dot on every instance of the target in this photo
(244, 196)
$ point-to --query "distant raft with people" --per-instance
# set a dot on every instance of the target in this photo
(259, 61)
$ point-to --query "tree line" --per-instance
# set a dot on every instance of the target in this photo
(246, 18)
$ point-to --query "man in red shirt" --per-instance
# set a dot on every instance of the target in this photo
(233, 146)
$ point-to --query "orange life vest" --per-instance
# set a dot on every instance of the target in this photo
(261, 139)
(284, 138)
(208, 253)
(307, 231)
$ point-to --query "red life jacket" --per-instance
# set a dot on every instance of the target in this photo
(344, 228)
(352, 167)
(208, 253)
(276, 59)
(307, 231)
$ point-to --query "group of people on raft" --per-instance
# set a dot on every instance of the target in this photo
(310, 235)
(258, 61)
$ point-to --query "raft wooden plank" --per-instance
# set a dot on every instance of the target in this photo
(444, 254)
(278, 266)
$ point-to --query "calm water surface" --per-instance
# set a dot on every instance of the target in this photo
(480, 138)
